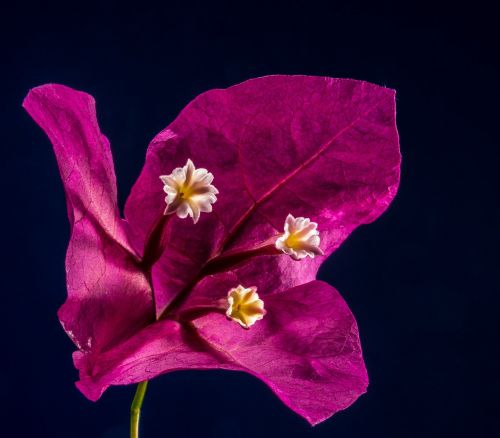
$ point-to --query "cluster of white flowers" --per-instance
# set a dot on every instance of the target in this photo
(190, 192)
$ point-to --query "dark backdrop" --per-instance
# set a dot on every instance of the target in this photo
(420, 280)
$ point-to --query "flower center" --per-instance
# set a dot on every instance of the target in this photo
(292, 241)
(185, 192)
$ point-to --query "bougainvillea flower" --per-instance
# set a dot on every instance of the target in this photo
(189, 191)
(244, 306)
(300, 239)
(150, 293)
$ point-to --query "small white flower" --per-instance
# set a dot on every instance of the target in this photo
(189, 191)
(244, 306)
(301, 238)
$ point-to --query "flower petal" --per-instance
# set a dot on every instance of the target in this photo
(159, 348)
(327, 149)
(108, 297)
(306, 349)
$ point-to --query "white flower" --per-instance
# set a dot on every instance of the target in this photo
(244, 306)
(301, 238)
(189, 191)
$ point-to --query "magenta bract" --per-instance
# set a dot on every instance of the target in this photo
(142, 290)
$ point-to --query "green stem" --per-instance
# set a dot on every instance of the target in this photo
(135, 409)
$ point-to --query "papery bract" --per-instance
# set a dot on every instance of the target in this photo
(144, 293)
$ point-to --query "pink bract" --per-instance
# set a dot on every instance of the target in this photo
(139, 288)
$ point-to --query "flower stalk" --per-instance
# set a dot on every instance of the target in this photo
(135, 409)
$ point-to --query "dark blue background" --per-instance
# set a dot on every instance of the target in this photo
(420, 280)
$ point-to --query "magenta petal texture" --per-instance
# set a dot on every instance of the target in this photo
(108, 297)
(147, 294)
(322, 148)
